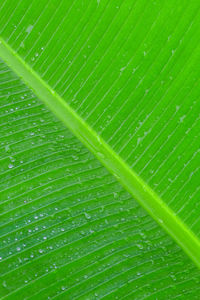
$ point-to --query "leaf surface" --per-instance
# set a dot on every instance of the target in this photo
(69, 230)
(123, 76)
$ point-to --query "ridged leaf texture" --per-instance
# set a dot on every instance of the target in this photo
(99, 149)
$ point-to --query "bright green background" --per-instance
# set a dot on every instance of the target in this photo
(130, 69)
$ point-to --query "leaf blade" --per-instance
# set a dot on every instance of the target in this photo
(112, 240)
(129, 179)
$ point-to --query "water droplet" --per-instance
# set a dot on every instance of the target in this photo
(7, 148)
(22, 45)
(140, 246)
(29, 29)
(115, 195)
(75, 157)
(139, 140)
(173, 277)
(88, 217)
(182, 118)
(122, 69)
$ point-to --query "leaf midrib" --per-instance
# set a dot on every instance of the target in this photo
(152, 203)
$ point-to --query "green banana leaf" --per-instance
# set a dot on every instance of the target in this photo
(99, 152)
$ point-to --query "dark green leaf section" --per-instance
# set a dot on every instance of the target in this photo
(68, 228)
(131, 70)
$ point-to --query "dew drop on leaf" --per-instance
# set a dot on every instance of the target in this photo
(29, 29)
(88, 217)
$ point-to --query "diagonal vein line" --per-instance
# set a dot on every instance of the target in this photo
(106, 155)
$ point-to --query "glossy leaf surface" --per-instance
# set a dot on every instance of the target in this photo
(124, 77)
(68, 228)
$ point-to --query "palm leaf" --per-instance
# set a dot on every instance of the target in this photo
(123, 77)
